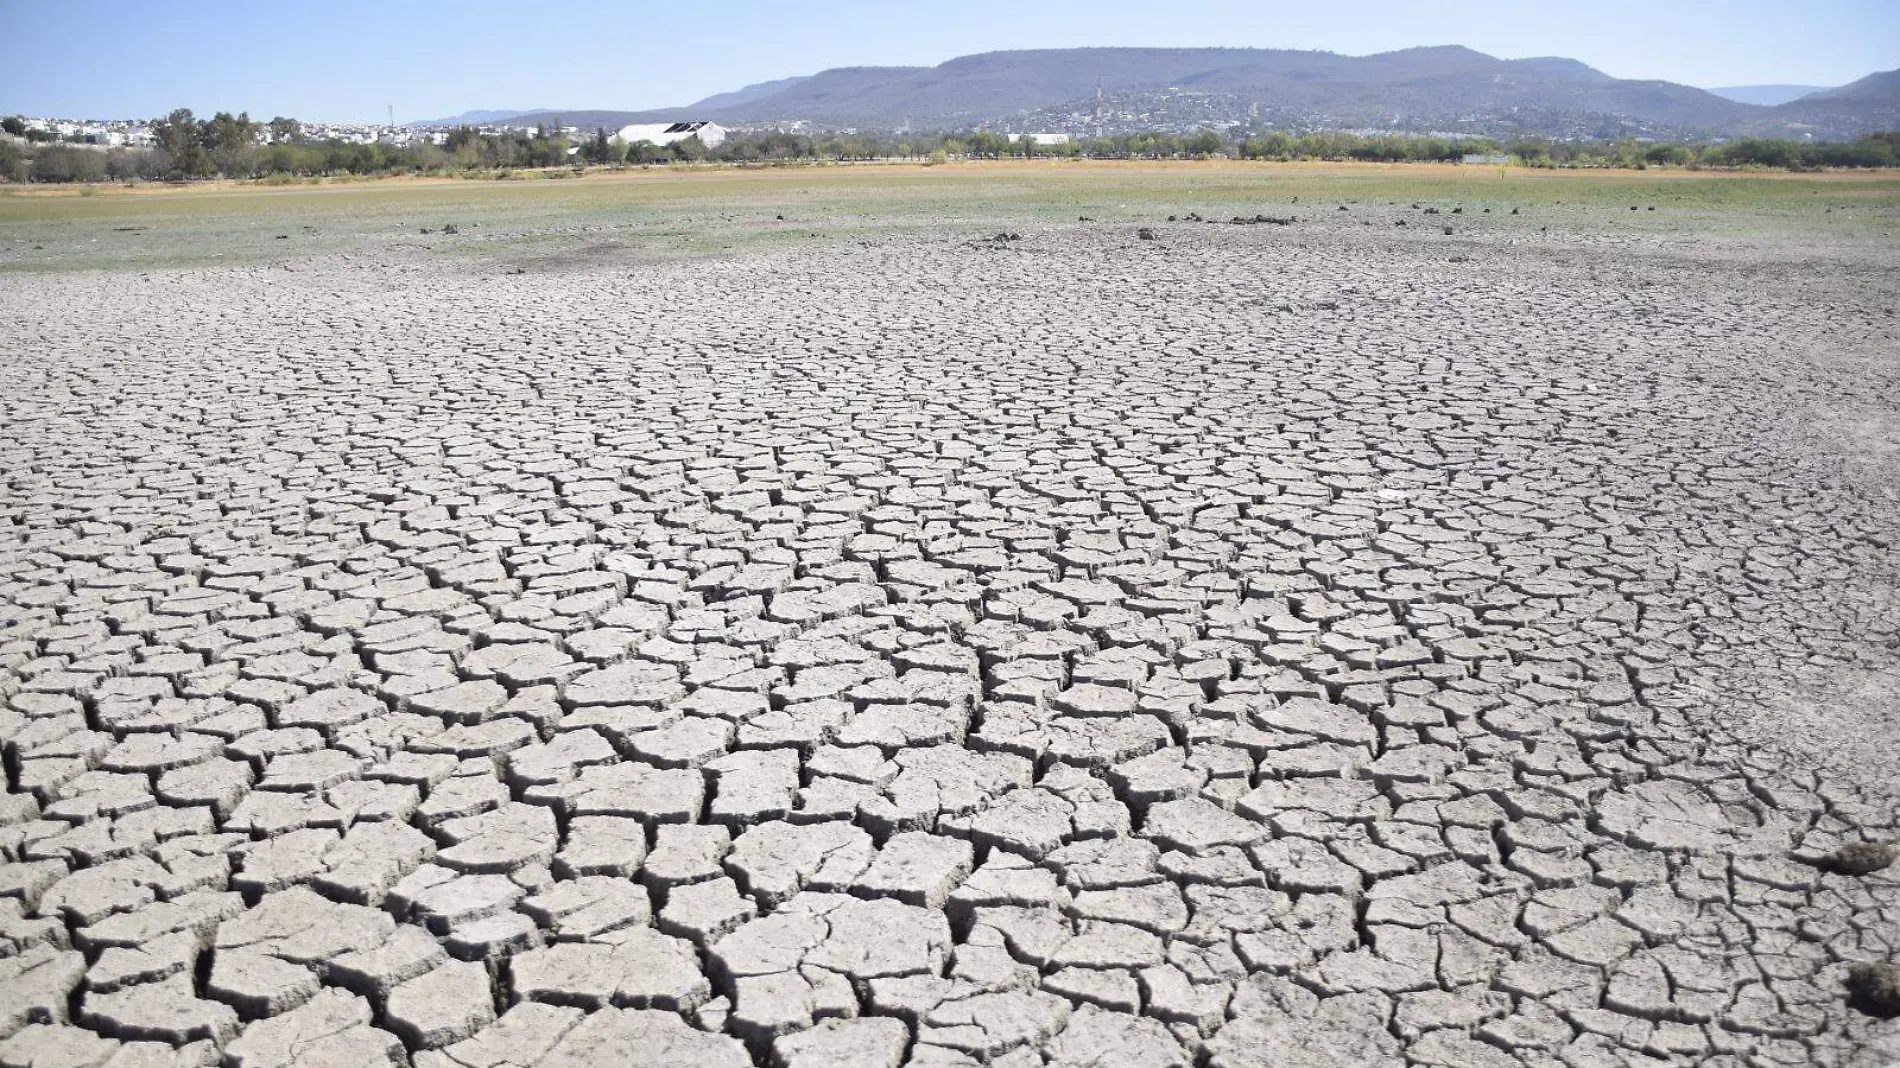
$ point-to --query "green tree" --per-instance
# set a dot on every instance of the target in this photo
(1668, 155)
(741, 150)
(644, 151)
(598, 150)
(13, 163)
(462, 136)
(14, 125)
(987, 144)
(66, 163)
(1203, 144)
(181, 152)
(548, 147)
(284, 130)
(231, 142)
(427, 156)
(125, 164)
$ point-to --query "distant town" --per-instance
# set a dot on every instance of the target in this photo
(137, 133)
(1171, 111)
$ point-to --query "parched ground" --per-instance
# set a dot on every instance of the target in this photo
(1310, 645)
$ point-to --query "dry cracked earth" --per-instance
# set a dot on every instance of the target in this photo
(1255, 646)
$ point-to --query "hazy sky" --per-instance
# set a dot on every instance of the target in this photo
(350, 59)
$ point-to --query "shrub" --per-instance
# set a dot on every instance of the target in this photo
(65, 163)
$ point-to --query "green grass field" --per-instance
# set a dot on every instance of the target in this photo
(673, 213)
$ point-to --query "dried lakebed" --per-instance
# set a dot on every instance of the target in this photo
(1253, 646)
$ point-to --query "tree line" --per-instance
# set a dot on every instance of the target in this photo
(234, 146)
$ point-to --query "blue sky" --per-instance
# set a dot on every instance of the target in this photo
(348, 59)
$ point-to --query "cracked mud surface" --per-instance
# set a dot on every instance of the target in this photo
(1231, 649)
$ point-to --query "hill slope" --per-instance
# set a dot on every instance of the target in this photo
(1442, 88)
(1447, 89)
(471, 118)
(1767, 96)
(755, 91)
(1880, 86)
(1860, 107)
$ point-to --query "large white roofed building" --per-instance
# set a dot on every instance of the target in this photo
(665, 133)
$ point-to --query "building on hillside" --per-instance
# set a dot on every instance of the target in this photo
(710, 134)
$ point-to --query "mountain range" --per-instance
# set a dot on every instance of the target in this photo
(1447, 89)
(477, 117)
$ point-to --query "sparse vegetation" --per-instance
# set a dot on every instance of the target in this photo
(673, 211)
(1874, 989)
(1861, 858)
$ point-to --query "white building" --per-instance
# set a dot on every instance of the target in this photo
(1485, 159)
(710, 134)
(1044, 140)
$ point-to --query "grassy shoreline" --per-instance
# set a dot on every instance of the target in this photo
(714, 209)
(678, 171)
